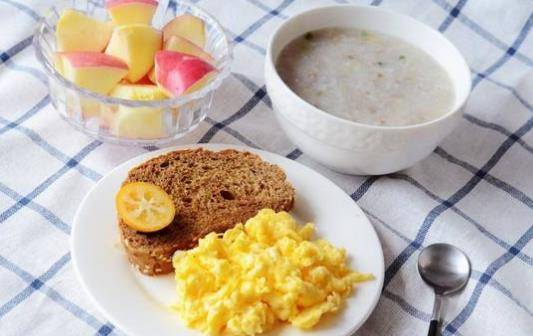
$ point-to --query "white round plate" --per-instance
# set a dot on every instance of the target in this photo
(138, 304)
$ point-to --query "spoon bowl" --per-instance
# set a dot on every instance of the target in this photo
(444, 267)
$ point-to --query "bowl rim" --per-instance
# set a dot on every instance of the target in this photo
(270, 62)
(224, 69)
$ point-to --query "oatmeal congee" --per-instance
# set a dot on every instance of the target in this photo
(366, 77)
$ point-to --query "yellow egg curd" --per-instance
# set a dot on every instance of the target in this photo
(261, 273)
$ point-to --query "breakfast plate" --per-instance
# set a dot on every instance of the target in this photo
(140, 305)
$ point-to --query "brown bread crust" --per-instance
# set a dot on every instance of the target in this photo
(212, 191)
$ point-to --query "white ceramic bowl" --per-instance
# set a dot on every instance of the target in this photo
(352, 147)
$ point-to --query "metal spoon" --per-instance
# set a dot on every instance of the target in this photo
(446, 269)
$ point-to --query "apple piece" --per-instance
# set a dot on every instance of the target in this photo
(202, 82)
(182, 45)
(124, 12)
(176, 73)
(93, 71)
(78, 32)
(138, 92)
(187, 26)
(138, 122)
(136, 45)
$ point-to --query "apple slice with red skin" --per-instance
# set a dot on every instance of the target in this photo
(94, 71)
(177, 73)
(182, 45)
(187, 26)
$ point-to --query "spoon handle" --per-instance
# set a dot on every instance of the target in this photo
(435, 317)
(433, 328)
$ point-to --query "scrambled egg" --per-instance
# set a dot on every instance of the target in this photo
(253, 276)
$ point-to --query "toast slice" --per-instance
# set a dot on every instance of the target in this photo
(212, 192)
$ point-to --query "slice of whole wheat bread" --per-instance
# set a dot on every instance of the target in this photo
(212, 192)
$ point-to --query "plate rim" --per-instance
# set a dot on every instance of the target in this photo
(216, 147)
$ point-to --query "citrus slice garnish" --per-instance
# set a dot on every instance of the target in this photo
(144, 206)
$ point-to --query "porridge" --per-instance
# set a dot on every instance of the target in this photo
(366, 77)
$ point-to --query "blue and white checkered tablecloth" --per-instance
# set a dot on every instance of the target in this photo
(475, 190)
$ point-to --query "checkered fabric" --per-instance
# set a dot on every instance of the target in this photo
(474, 191)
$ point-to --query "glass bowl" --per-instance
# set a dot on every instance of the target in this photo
(97, 115)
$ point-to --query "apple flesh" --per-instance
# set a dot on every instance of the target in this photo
(135, 44)
(187, 26)
(138, 122)
(184, 46)
(138, 92)
(177, 73)
(124, 12)
(77, 32)
(93, 71)
(202, 82)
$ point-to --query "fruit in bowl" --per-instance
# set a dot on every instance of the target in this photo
(125, 12)
(131, 122)
(91, 70)
(131, 39)
(78, 32)
(188, 26)
(137, 45)
(177, 73)
(107, 80)
(182, 45)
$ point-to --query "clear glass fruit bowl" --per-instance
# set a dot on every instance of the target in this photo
(153, 122)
